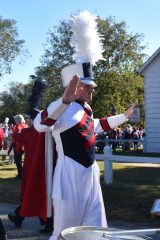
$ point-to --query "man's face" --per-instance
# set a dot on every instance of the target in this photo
(86, 92)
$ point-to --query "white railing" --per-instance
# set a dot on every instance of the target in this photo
(109, 159)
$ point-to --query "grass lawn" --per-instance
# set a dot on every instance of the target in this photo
(9, 187)
(129, 198)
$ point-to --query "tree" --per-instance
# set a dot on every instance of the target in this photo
(116, 76)
(122, 51)
(58, 53)
(15, 100)
(118, 90)
(10, 44)
(21, 98)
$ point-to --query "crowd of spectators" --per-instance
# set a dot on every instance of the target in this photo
(116, 138)
(6, 139)
(124, 138)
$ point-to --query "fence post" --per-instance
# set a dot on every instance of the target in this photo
(108, 175)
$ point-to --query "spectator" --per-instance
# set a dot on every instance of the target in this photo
(30, 138)
(10, 136)
(127, 134)
(136, 137)
(113, 135)
(18, 147)
(100, 141)
(5, 129)
(5, 141)
(1, 138)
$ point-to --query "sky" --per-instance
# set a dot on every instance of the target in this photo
(36, 17)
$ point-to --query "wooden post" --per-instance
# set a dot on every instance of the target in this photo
(108, 173)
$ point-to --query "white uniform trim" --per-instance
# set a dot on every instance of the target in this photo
(55, 109)
(115, 121)
(49, 146)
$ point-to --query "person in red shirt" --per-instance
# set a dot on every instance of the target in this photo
(33, 188)
(17, 146)
(1, 138)
(37, 173)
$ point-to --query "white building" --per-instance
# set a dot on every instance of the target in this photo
(151, 73)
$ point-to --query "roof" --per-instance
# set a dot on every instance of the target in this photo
(150, 59)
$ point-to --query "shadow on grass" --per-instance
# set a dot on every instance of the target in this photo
(132, 194)
(2, 164)
(8, 169)
(6, 163)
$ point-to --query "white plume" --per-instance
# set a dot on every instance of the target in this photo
(85, 38)
(6, 120)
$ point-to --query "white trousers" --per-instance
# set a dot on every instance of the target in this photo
(81, 202)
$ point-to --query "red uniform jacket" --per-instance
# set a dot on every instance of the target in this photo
(18, 147)
(33, 186)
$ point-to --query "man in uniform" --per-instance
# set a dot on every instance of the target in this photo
(76, 192)
(77, 197)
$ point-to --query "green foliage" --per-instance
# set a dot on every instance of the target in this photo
(122, 51)
(10, 44)
(116, 76)
(118, 90)
(58, 54)
(14, 101)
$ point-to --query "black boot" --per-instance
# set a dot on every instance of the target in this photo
(17, 220)
(15, 217)
(48, 229)
(3, 235)
(42, 222)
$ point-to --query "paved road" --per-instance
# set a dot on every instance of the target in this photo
(31, 226)
(29, 230)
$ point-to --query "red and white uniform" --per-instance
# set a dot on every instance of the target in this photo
(76, 194)
(33, 190)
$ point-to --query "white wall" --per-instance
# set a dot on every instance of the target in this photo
(152, 105)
